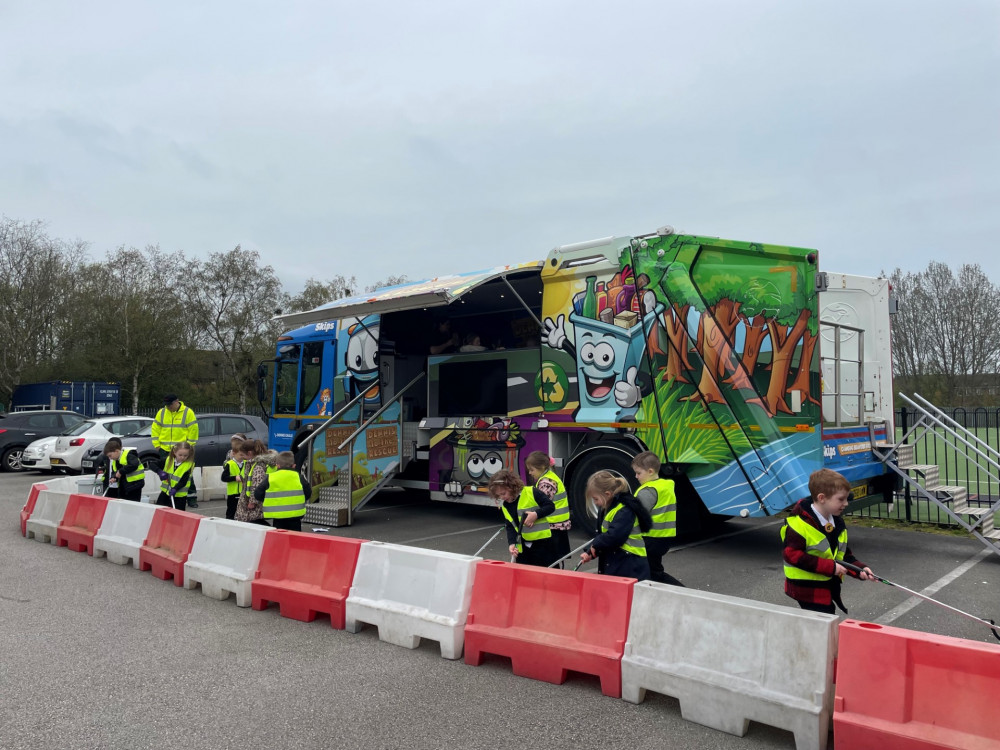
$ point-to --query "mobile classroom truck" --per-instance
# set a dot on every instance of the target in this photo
(742, 365)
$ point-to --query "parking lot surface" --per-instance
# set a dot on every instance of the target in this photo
(96, 655)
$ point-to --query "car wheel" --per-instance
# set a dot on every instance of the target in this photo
(12, 459)
(615, 460)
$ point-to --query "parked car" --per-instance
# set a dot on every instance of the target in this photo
(36, 456)
(72, 444)
(214, 431)
(20, 428)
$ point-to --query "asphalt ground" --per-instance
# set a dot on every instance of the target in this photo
(96, 655)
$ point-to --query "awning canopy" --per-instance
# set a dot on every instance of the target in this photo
(436, 292)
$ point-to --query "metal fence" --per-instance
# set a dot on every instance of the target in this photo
(940, 448)
(253, 411)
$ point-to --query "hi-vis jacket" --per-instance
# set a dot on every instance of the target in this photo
(172, 427)
(178, 477)
(664, 513)
(561, 500)
(530, 499)
(284, 495)
(137, 475)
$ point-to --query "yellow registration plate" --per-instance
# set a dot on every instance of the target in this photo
(55, 460)
(859, 491)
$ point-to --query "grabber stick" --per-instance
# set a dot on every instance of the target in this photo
(488, 543)
(988, 623)
(581, 548)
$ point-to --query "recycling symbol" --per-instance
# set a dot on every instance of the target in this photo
(552, 386)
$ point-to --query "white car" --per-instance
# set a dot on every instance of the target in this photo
(74, 442)
(36, 456)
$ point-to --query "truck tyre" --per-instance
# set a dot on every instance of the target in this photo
(12, 458)
(584, 511)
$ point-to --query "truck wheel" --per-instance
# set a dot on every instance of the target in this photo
(584, 510)
(12, 459)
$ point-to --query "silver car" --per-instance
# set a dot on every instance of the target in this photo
(214, 432)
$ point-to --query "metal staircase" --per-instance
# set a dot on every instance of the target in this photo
(925, 479)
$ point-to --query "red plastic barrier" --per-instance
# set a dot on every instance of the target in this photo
(549, 622)
(166, 549)
(905, 690)
(84, 514)
(306, 574)
(29, 507)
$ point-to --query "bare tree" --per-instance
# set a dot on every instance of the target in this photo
(388, 281)
(318, 293)
(232, 298)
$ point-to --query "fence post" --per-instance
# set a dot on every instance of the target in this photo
(905, 424)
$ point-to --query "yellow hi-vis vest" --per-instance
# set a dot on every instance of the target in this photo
(634, 543)
(174, 474)
(525, 504)
(816, 544)
(139, 475)
(664, 513)
(284, 496)
(172, 427)
(235, 470)
(561, 500)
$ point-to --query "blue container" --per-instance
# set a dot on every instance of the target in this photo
(92, 399)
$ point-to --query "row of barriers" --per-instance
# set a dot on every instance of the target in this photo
(727, 661)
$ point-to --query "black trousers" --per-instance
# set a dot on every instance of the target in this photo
(180, 503)
(289, 524)
(825, 608)
(656, 548)
(231, 502)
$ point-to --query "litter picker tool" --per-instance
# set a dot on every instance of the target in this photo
(488, 542)
(581, 548)
(520, 540)
(994, 628)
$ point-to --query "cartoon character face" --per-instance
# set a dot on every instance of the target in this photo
(600, 363)
(361, 358)
(482, 465)
(325, 396)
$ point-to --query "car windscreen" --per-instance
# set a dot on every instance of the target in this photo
(79, 429)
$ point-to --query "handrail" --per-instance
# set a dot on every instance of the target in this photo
(305, 443)
(378, 413)
(927, 405)
(954, 434)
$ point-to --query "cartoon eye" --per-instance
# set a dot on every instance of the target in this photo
(355, 353)
(492, 464)
(604, 356)
(474, 466)
(370, 351)
(587, 353)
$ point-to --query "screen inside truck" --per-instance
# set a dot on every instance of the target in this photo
(476, 388)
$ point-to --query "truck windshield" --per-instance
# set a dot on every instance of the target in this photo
(312, 371)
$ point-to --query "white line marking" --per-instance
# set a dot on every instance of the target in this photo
(896, 612)
(450, 533)
(726, 536)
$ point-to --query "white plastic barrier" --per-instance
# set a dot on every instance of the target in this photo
(212, 487)
(123, 531)
(411, 593)
(151, 489)
(729, 661)
(224, 558)
(50, 507)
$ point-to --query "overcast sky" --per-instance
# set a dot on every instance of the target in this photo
(426, 138)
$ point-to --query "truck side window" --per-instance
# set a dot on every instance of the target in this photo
(312, 374)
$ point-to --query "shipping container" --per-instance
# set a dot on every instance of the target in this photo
(94, 399)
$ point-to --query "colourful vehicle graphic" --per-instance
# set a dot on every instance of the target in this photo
(718, 355)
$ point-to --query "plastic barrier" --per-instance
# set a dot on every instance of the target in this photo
(905, 690)
(29, 506)
(124, 529)
(50, 507)
(224, 558)
(151, 489)
(166, 549)
(729, 661)
(411, 593)
(211, 487)
(84, 514)
(306, 574)
(549, 622)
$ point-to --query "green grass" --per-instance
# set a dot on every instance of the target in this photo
(934, 448)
